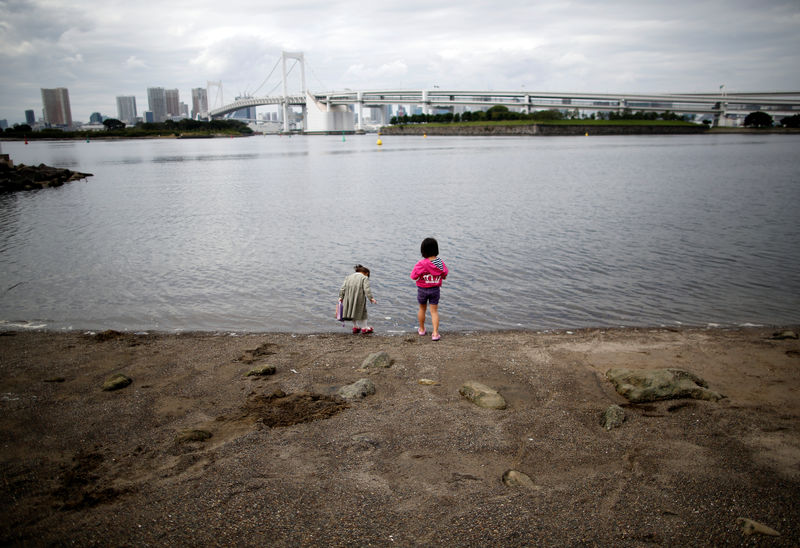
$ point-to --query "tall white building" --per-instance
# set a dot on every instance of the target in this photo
(157, 103)
(173, 102)
(126, 109)
(199, 103)
(56, 108)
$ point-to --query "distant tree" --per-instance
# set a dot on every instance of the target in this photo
(113, 123)
(758, 119)
(791, 121)
(544, 115)
(19, 128)
(497, 112)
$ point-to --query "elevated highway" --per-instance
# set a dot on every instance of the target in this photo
(338, 103)
(333, 111)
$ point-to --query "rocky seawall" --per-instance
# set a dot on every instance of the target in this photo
(22, 177)
(540, 130)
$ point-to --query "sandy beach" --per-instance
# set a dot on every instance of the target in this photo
(196, 452)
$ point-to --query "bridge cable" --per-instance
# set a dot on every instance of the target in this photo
(279, 83)
(267, 78)
(322, 84)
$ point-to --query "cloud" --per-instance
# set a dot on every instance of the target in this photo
(103, 49)
(383, 75)
(134, 62)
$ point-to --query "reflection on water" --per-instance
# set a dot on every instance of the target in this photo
(257, 233)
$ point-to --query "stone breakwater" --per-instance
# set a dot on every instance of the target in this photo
(22, 177)
(540, 130)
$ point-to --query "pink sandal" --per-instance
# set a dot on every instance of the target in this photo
(435, 337)
(421, 332)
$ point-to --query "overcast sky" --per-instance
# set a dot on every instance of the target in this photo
(99, 49)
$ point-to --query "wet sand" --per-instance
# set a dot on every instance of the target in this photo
(289, 464)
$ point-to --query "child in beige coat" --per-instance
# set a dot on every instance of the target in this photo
(353, 295)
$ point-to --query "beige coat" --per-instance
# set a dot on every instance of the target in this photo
(354, 294)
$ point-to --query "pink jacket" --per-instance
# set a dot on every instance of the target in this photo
(427, 274)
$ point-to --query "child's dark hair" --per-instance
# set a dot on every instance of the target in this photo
(363, 269)
(429, 247)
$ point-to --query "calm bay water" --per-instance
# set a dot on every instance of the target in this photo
(257, 234)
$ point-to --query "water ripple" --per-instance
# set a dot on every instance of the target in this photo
(257, 234)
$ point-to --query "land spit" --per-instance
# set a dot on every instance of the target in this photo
(542, 129)
(22, 177)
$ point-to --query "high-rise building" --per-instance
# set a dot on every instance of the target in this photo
(157, 103)
(56, 109)
(199, 103)
(247, 113)
(30, 117)
(126, 109)
(95, 118)
(173, 102)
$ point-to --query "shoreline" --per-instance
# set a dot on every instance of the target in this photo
(545, 130)
(17, 327)
(187, 453)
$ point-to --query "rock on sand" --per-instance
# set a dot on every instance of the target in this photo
(660, 384)
(482, 396)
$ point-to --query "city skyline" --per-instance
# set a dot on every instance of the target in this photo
(100, 52)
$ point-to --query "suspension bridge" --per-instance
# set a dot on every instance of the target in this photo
(335, 111)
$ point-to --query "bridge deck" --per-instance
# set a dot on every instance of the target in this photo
(700, 103)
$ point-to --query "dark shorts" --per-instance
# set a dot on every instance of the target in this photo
(428, 295)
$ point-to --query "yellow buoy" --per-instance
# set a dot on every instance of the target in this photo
(586, 134)
(380, 142)
(425, 135)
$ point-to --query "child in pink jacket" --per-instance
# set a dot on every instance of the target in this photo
(429, 274)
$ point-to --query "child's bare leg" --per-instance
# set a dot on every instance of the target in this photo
(435, 319)
(421, 316)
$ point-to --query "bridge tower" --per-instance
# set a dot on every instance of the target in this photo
(298, 56)
(217, 101)
(721, 107)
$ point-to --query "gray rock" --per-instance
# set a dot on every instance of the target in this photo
(482, 396)
(513, 478)
(750, 527)
(116, 382)
(261, 371)
(377, 359)
(613, 417)
(660, 384)
(358, 390)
